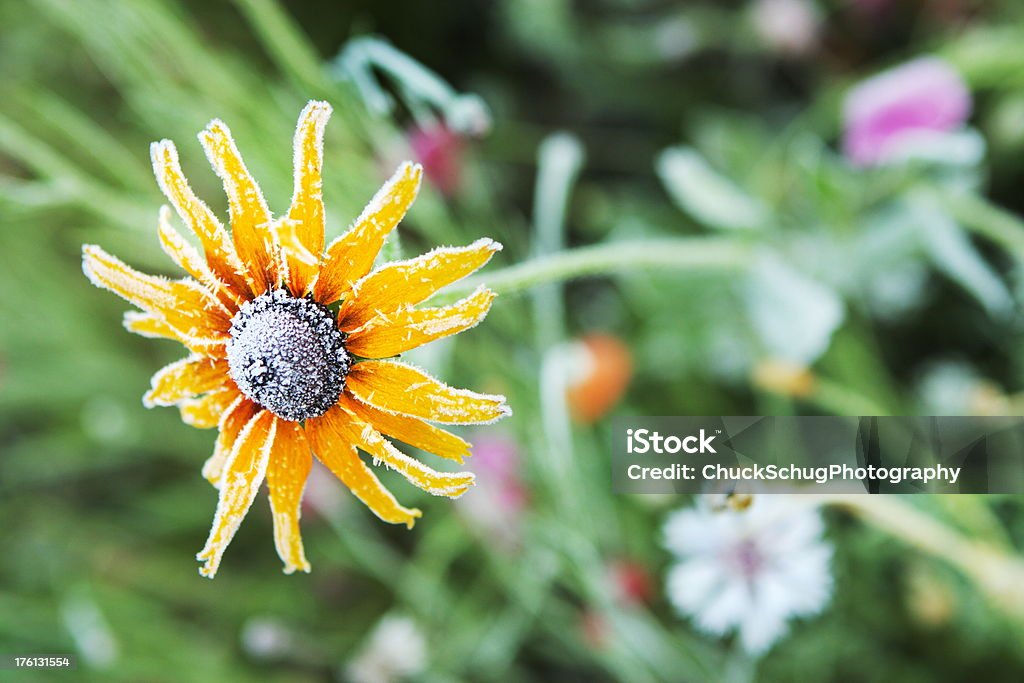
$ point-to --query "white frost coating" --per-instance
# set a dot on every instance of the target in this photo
(445, 318)
(285, 537)
(369, 220)
(291, 245)
(386, 195)
(151, 293)
(317, 113)
(172, 164)
(210, 302)
(278, 259)
(422, 265)
(206, 346)
(434, 257)
(214, 465)
(187, 257)
(132, 319)
(205, 224)
(287, 355)
(443, 396)
(397, 331)
(239, 196)
(413, 470)
(237, 493)
(236, 198)
(151, 399)
(200, 402)
(152, 287)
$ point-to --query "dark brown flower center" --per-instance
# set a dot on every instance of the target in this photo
(288, 355)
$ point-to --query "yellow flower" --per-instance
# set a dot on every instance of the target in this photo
(279, 373)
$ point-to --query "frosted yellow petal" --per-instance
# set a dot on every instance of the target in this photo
(148, 325)
(450, 484)
(155, 327)
(234, 418)
(250, 217)
(243, 474)
(189, 260)
(286, 478)
(206, 411)
(351, 256)
(288, 234)
(410, 282)
(185, 378)
(305, 216)
(197, 314)
(399, 388)
(333, 439)
(182, 304)
(148, 292)
(390, 334)
(409, 430)
(220, 252)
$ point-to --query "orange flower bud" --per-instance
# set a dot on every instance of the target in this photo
(603, 370)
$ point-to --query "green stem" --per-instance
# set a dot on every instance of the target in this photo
(986, 219)
(697, 254)
(999, 575)
(560, 158)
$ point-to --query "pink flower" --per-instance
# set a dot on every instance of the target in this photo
(882, 114)
(440, 151)
(495, 506)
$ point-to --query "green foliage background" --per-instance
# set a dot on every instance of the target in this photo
(101, 502)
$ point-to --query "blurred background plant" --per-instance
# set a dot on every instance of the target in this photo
(734, 220)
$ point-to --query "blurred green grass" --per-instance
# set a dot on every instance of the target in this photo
(102, 501)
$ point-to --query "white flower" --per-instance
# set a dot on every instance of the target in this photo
(267, 638)
(394, 650)
(749, 571)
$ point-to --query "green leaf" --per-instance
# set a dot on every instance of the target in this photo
(794, 316)
(706, 195)
(955, 255)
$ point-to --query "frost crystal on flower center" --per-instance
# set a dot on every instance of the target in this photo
(288, 355)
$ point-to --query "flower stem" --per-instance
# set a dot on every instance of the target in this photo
(560, 158)
(986, 219)
(689, 253)
(998, 574)
(361, 55)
